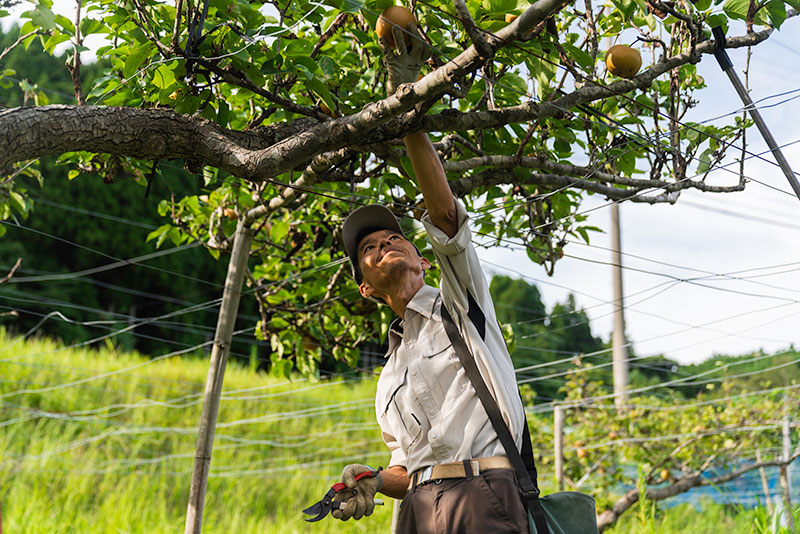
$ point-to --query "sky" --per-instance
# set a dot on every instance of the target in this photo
(712, 274)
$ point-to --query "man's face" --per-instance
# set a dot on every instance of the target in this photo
(385, 254)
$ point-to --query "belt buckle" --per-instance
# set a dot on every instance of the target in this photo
(425, 475)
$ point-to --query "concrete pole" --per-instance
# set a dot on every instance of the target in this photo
(786, 483)
(226, 320)
(619, 347)
(558, 445)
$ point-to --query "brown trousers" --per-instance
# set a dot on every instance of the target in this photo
(489, 503)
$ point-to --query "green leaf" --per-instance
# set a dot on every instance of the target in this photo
(736, 9)
(163, 77)
(776, 12)
(351, 6)
(163, 208)
(278, 231)
(17, 202)
(54, 40)
(794, 3)
(702, 5)
(223, 113)
(159, 234)
(65, 24)
(704, 161)
(135, 59)
(89, 26)
(718, 20)
(319, 88)
(626, 7)
(73, 173)
(582, 58)
(42, 16)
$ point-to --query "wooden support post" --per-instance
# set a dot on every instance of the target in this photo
(395, 515)
(237, 266)
(786, 483)
(558, 445)
(764, 484)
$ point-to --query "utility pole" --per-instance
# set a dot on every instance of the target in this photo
(618, 345)
(558, 445)
(237, 266)
(727, 67)
(786, 482)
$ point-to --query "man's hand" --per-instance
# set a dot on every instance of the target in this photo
(357, 500)
(403, 64)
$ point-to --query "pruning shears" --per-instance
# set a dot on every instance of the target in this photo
(320, 509)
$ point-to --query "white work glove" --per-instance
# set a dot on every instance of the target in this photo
(403, 64)
(358, 500)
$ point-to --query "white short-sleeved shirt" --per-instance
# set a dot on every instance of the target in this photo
(426, 407)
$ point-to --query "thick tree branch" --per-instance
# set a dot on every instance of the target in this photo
(160, 134)
(585, 173)
(28, 133)
(479, 181)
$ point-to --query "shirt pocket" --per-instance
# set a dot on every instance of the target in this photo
(440, 366)
(404, 424)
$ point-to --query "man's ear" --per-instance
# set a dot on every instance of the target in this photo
(425, 263)
(366, 290)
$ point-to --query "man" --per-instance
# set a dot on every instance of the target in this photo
(430, 417)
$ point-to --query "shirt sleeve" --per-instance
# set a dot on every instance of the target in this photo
(463, 283)
(398, 456)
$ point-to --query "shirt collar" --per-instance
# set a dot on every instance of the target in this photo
(423, 303)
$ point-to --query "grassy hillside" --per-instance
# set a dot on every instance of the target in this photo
(98, 441)
(89, 447)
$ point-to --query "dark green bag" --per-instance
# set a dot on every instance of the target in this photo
(566, 512)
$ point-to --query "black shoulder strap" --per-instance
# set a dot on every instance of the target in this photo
(526, 474)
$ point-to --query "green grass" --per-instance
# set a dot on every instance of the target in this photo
(102, 456)
(114, 454)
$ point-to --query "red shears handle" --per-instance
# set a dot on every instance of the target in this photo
(339, 486)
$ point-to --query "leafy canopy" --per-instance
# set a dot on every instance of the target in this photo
(280, 107)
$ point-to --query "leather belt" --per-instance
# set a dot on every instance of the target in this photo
(433, 473)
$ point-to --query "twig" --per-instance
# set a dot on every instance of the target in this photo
(75, 68)
(338, 22)
(177, 28)
(7, 277)
(17, 42)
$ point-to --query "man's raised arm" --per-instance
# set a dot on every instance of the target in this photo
(432, 182)
(403, 66)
